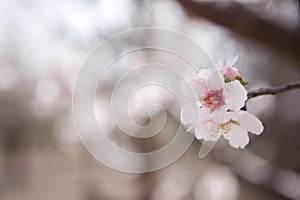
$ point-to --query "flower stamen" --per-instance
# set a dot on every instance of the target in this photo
(213, 100)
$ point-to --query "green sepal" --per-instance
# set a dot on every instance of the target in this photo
(227, 80)
(242, 81)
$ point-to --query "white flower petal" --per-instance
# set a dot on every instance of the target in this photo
(219, 114)
(204, 114)
(202, 129)
(189, 113)
(251, 123)
(206, 73)
(199, 87)
(193, 88)
(247, 120)
(213, 133)
(237, 137)
(235, 95)
(215, 82)
(212, 77)
(236, 115)
(220, 66)
(231, 61)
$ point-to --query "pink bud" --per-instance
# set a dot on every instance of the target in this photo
(231, 73)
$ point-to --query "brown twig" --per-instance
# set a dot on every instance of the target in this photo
(247, 24)
(273, 90)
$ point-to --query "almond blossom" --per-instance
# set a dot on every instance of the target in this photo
(214, 99)
(209, 92)
(235, 128)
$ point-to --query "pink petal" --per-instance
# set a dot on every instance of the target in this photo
(231, 73)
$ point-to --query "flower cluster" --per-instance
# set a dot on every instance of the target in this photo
(215, 98)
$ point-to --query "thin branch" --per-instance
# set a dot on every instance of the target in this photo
(247, 24)
(273, 90)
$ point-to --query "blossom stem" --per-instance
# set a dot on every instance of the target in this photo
(273, 90)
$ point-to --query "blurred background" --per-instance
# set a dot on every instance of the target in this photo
(42, 46)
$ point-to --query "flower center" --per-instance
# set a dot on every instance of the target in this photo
(227, 127)
(224, 127)
(213, 100)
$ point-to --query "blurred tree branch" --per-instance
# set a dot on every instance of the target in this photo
(247, 24)
(270, 175)
(273, 90)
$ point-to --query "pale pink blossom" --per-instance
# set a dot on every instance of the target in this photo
(214, 99)
(235, 128)
(210, 94)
